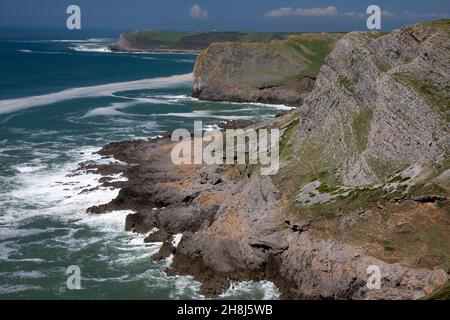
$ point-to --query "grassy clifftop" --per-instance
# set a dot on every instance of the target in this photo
(196, 41)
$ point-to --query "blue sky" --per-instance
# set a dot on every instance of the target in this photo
(196, 15)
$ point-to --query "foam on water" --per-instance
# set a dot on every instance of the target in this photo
(42, 52)
(265, 290)
(184, 98)
(176, 239)
(18, 288)
(90, 48)
(111, 110)
(6, 248)
(27, 168)
(55, 188)
(57, 194)
(11, 233)
(23, 274)
(64, 40)
(13, 105)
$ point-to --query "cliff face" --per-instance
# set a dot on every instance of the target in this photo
(381, 105)
(282, 71)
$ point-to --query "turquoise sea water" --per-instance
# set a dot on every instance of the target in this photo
(60, 100)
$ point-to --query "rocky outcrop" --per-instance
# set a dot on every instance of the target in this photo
(122, 45)
(281, 71)
(249, 239)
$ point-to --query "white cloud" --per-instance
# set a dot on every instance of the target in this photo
(363, 15)
(353, 14)
(412, 15)
(388, 14)
(313, 12)
(198, 12)
(333, 11)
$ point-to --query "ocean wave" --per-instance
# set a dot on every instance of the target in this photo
(45, 192)
(113, 109)
(62, 194)
(184, 60)
(43, 52)
(257, 104)
(186, 286)
(64, 40)
(6, 249)
(4, 289)
(23, 274)
(177, 98)
(12, 233)
(211, 127)
(29, 168)
(13, 105)
(90, 48)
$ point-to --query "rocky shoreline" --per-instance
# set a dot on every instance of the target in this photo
(234, 229)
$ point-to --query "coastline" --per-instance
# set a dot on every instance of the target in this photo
(233, 229)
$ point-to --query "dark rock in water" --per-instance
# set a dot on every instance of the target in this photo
(158, 236)
(164, 252)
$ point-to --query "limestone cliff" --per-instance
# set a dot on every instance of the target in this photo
(282, 71)
(381, 104)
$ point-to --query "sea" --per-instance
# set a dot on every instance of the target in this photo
(60, 101)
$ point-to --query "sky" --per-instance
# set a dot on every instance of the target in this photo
(226, 15)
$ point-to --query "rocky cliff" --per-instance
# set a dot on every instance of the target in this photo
(280, 71)
(381, 104)
(155, 40)
(364, 176)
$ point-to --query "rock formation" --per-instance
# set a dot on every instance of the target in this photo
(282, 71)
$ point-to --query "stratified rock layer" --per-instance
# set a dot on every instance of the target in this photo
(381, 104)
(281, 71)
